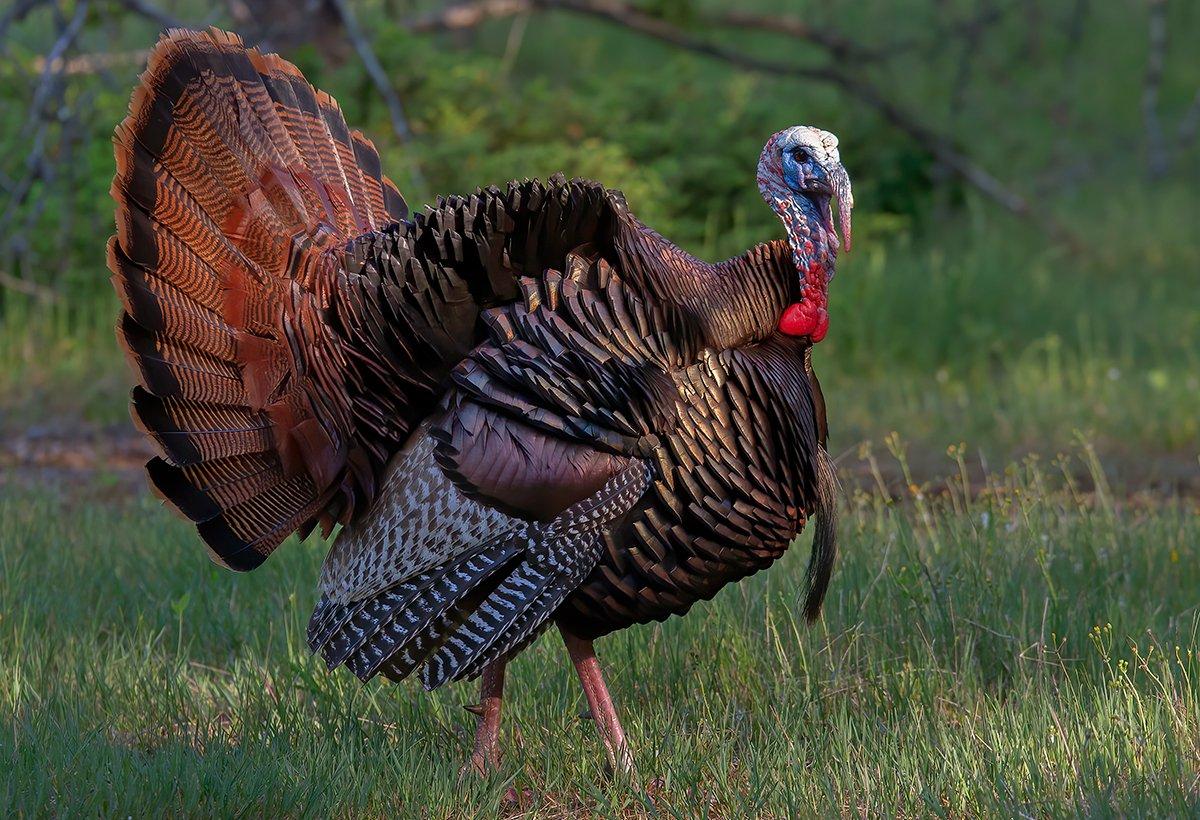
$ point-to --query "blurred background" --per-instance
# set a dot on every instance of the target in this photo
(1025, 275)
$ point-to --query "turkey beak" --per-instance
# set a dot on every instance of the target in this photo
(845, 201)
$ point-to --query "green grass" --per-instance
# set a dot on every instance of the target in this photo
(1017, 649)
(60, 363)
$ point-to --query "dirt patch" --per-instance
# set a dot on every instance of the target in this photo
(107, 463)
(1130, 475)
(97, 463)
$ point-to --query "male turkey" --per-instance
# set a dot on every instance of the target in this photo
(523, 405)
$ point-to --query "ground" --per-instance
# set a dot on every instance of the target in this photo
(1019, 646)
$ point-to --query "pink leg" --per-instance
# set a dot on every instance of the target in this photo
(486, 755)
(603, 711)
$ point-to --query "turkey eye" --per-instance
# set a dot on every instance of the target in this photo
(800, 155)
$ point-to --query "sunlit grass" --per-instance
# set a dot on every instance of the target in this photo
(60, 363)
(1015, 647)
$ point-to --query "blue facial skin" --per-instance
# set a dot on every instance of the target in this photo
(803, 174)
(809, 182)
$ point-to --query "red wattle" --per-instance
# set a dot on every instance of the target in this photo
(809, 317)
(805, 319)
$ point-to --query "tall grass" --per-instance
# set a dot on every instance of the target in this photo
(60, 363)
(1017, 649)
(978, 330)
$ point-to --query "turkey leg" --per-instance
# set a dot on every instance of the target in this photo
(583, 656)
(485, 757)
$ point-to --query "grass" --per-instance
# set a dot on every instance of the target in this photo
(1016, 649)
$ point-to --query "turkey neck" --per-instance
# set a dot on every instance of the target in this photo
(813, 252)
(733, 303)
(814, 246)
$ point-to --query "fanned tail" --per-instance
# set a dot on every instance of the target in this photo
(233, 175)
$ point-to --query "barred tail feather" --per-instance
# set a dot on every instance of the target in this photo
(485, 603)
(226, 157)
(510, 617)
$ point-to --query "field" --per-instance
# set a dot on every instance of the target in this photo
(1013, 628)
(1018, 649)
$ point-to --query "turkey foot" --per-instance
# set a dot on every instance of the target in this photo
(485, 758)
(600, 704)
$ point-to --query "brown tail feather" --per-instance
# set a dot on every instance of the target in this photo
(229, 167)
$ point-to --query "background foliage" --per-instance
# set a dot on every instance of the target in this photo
(948, 297)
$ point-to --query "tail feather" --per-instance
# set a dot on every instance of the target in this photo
(202, 490)
(232, 171)
(191, 433)
(170, 367)
(284, 507)
(825, 540)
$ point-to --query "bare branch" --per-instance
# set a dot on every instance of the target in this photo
(1157, 159)
(53, 62)
(94, 63)
(145, 8)
(472, 13)
(382, 84)
(836, 44)
(939, 145)
(468, 15)
(35, 127)
(39, 292)
(628, 17)
(942, 147)
(512, 47)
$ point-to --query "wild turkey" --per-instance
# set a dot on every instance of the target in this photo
(524, 406)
